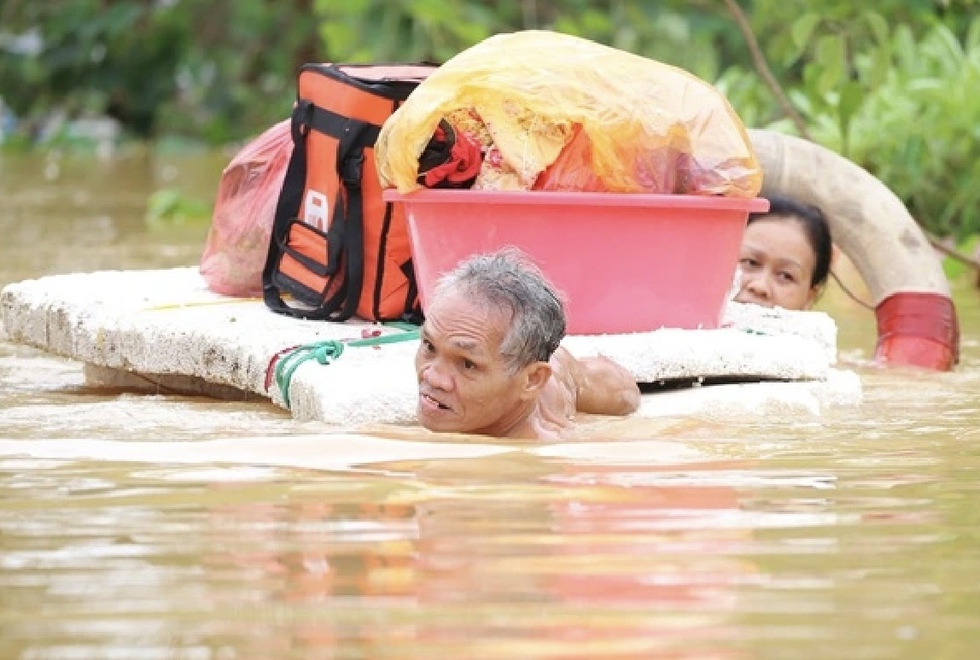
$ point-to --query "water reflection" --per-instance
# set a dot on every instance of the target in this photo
(546, 558)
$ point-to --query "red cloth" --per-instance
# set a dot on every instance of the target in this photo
(462, 163)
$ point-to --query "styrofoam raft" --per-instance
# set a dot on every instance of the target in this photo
(165, 328)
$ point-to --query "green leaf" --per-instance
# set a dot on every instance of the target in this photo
(879, 27)
(972, 41)
(170, 207)
(830, 56)
(879, 66)
(851, 98)
(850, 101)
(802, 30)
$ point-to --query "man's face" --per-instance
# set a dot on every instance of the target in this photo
(464, 382)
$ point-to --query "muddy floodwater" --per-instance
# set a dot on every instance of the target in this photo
(157, 526)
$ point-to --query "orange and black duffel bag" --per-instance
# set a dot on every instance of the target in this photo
(337, 249)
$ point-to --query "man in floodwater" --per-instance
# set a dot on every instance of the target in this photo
(489, 361)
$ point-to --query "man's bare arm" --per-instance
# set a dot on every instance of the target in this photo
(603, 387)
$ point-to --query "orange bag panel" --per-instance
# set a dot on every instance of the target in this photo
(340, 110)
(304, 241)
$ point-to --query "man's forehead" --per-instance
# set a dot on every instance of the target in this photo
(467, 345)
(470, 338)
(466, 325)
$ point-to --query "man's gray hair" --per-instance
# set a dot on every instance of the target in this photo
(511, 282)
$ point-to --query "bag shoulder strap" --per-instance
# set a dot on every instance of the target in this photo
(287, 206)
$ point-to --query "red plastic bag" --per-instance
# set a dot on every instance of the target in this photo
(572, 170)
(241, 226)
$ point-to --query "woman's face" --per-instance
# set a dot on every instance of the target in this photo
(777, 263)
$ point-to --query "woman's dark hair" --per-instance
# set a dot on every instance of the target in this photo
(814, 226)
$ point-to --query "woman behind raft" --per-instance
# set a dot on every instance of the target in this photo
(785, 256)
(489, 360)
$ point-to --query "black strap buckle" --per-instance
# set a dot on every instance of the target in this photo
(352, 169)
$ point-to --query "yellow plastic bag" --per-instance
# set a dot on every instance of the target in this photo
(558, 112)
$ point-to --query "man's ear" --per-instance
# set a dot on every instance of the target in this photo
(536, 376)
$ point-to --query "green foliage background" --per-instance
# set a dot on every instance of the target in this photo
(891, 84)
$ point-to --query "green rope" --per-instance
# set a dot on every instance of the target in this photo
(328, 350)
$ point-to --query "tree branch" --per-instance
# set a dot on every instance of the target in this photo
(941, 246)
(762, 67)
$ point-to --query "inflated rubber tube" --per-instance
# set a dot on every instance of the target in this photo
(917, 323)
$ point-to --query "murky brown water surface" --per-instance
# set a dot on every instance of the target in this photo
(139, 526)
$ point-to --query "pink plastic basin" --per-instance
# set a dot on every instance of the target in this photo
(625, 263)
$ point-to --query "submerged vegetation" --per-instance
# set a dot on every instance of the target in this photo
(890, 84)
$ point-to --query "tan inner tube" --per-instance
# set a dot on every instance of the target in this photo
(917, 323)
(867, 220)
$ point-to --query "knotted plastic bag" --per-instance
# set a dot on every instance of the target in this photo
(557, 112)
(241, 226)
